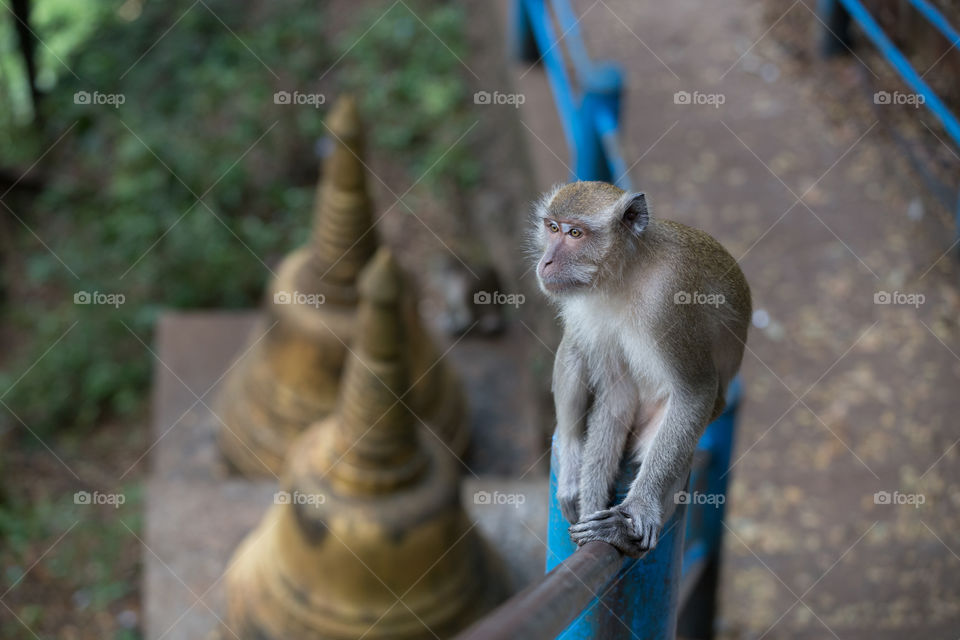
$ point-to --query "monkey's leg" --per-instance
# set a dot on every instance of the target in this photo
(571, 396)
(634, 525)
(608, 426)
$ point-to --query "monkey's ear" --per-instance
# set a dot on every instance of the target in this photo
(636, 215)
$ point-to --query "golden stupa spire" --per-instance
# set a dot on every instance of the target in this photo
(290, 375)
(369, 509)
(376, 446)
(343, 239)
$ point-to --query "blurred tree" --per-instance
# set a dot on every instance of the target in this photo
(27, 41)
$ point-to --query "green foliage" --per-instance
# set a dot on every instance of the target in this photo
(65, 24)
(86, 559)
(410, 78)
(121, 215)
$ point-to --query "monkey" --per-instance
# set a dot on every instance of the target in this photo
(655, 316)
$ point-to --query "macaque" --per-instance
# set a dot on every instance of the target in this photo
(655, 317)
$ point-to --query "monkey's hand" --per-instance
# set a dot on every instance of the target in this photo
(569, 499)
(631, 529)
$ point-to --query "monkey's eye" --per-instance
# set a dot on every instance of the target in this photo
(553, 226)
(575, 233)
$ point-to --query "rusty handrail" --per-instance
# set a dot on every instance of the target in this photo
(546, 608)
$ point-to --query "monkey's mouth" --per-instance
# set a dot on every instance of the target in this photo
(560, 285)
(558, 279)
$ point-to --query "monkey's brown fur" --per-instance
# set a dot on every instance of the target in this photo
(655, 320)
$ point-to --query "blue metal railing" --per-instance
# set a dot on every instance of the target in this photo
(594, 592)
(645, 596)
(588, 102)
(836, 14)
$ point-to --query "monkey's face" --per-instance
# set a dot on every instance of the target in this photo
(581, 230)
(570, 254)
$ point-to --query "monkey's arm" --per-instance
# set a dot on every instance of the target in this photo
(634, 525)
(571, 396)
(608, 427)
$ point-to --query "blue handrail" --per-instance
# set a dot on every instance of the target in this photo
(890, 51)
(936, 19)
(837, 12)
(590, 114)
(647, 594)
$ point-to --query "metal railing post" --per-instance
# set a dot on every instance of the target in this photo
(523, 46)
(602, 94)
(835, 37)
(698, 611)
(642, 599)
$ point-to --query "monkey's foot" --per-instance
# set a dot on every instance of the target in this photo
(633, 536)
